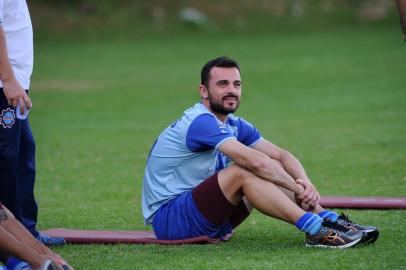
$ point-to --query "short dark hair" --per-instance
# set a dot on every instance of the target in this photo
(222, 61)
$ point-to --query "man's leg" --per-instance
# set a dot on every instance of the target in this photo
(10, 130)
(236, 182)
(28, 209)
(27, 206)
(263, 195)
(372, 232)
(219, 199)
(240, 212)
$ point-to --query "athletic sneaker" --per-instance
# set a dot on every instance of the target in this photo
(50, 241)
(334, 235)
(372, 233)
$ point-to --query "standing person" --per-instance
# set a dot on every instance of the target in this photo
(191, 189)
(17, 146)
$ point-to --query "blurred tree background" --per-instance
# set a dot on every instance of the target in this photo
(126, 19)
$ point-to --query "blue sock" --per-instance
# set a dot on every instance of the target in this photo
(309, 223)
(17, 264)
(329, 215)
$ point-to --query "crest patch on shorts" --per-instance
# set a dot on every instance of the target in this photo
(7, 118)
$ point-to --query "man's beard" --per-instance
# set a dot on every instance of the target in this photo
(218, 107)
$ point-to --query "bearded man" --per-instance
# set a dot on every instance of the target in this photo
(210, 168)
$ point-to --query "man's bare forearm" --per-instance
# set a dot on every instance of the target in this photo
(293, 166)
(290, 164)
(6, 71)
(260, 164)
(267, 169)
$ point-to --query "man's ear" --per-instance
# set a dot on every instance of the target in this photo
(203, 91)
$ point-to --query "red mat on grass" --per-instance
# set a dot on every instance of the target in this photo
(148, 237)
(122, 237)
(364, 202)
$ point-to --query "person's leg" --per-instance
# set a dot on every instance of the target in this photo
(10, 130)
(240, 212)
(218, 207)
(263, 195)
(372, 232)
(203, 211)
(28, 209)
(207, 209)
(27, 206)
(236, 182)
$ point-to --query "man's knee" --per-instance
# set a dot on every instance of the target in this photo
(232, 180)
(238, 173)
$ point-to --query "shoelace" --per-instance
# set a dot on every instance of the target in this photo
(345, 218)
(337, 228)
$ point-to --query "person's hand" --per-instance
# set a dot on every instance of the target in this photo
(59, 261)
(310, 195)
(16, 95)
(47, 263)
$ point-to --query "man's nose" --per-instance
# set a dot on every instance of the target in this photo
(232, 90)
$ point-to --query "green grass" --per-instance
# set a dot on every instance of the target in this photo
(336, 99)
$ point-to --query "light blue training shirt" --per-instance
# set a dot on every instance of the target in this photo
(186, 153)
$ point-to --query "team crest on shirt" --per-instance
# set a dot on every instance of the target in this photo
(222, 126)
(7, 118)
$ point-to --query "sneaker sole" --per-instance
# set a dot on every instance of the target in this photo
(353, 243)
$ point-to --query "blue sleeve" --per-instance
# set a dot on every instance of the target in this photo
(247, 133)
(206, 133)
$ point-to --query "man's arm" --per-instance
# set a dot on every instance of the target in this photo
(293, 167)
(259, 164)
(15, 239)
(289, 162)
(14, 92)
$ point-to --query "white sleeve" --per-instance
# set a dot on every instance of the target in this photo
(1, 10)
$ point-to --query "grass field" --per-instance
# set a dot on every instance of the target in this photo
(336, 99)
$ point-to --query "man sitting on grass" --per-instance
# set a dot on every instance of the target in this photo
(208, 169)
(17, 244)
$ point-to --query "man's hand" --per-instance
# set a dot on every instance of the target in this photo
(310, 195)
(16, 95)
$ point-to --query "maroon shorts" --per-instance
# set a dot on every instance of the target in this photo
(214, 206)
